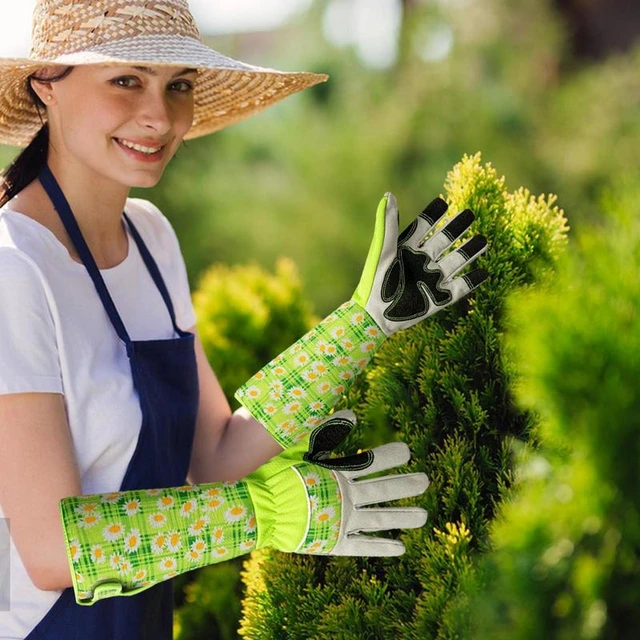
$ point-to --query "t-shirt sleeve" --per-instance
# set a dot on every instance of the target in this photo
(178, 278)
(29, 360)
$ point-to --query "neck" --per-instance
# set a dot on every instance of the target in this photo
(96, 201)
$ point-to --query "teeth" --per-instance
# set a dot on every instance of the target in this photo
(137, 147)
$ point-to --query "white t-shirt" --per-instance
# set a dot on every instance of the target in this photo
(56, 337)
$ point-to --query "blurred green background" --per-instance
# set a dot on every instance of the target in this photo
(548, 90)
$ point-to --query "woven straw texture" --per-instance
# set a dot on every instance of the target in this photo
(133, 32)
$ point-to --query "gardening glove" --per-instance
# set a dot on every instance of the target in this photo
(124, 542)
(406, 279)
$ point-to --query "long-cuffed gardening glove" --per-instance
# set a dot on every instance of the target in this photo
(406, 279)
(124, 542)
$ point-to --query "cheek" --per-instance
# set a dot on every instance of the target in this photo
(88, 119)
(184, 118)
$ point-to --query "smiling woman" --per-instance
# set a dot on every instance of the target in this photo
(121, 463)
(104, 385)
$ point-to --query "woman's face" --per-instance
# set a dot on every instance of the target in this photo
(96, 111)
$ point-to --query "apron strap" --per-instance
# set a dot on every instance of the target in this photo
(155, 274)
(61, 204)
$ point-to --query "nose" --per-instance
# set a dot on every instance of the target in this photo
(155, 112)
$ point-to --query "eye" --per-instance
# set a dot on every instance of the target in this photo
(116, 81)
(185, 85)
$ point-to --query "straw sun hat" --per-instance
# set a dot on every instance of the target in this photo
(138, 32)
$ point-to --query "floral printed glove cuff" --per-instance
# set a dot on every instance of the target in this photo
(293, 393)
(124, 542)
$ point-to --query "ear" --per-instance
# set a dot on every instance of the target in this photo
(42, 87)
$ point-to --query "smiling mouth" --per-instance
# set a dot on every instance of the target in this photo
(138, 147)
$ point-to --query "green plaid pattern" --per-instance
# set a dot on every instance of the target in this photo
(144, 537)
(325, 501)
(291, 395)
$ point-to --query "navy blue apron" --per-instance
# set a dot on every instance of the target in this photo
(165, 377)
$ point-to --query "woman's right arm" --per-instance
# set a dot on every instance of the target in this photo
(37, 469)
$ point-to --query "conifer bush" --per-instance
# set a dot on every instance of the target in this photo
(443, 387)
(247, 316)
(566, 559)
(209, 603)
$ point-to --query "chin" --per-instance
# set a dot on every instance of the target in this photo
(145, 181)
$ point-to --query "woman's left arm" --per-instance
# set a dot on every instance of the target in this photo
(226, 446)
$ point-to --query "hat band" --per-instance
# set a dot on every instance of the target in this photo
(63, 27)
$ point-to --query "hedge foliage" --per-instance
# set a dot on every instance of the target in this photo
(444, 388)
(247, 316)
(566, 558)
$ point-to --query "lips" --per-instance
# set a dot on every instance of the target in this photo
(140, 155)
(147, 144)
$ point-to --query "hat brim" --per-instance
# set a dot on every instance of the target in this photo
(227, 90)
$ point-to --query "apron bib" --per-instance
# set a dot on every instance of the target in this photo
(165, 377)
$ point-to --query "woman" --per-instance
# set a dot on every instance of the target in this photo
(101, 388)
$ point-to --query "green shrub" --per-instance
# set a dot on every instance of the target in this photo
(247, 316)
(210, 604)
(566, 562)
(444, 388)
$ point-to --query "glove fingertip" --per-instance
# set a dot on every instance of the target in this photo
(423, 519)
(425, 482)
(344, 414)
(434, 210)
(397, 549)
(403, 450)
(476, 277)
(392, 454)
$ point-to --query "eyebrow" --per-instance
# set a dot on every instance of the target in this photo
(153, 72)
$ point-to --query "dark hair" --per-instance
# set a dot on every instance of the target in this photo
(26, 167)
